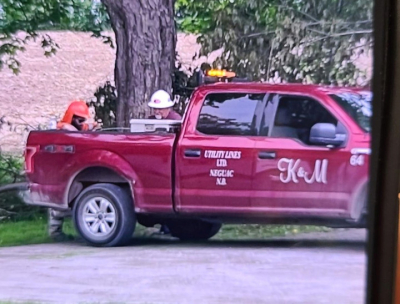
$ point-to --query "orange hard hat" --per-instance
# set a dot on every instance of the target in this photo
(76, 108)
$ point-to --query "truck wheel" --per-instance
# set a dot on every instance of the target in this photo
(194, 230)
(103, 215)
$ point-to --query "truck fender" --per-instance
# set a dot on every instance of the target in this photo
(359, 199)
(100, 158)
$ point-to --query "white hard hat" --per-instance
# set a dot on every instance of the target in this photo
(160, 100)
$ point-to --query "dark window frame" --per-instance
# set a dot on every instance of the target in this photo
(299, 96)
(265, 94)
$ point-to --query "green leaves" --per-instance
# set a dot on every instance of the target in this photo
(290, 41)
(27, 17)
(285, 40)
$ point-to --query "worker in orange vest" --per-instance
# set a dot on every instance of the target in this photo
(76, 118)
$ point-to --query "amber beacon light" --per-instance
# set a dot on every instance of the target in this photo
(220, 74)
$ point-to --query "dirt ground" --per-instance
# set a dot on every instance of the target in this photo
(321, 267)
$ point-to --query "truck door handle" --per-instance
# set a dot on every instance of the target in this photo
(192, 153)
(266, 155)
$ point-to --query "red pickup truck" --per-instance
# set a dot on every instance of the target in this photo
(243, 153)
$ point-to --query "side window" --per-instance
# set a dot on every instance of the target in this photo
(229, 114)
(296, 116)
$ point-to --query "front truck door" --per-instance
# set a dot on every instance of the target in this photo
(293, 176)
(215, 155)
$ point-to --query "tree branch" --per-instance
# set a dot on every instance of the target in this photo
(317, 31)
(6, 212)
(338, 35)
(14, 187)
(360, 46)
(347, 22)
(269, 60)
(352, 33)
(255, 35)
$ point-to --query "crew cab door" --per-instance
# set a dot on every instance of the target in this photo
(215, 154)
(294, 176)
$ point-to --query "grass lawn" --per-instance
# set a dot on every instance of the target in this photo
(232, 232)
(35, 231)
(28, 232)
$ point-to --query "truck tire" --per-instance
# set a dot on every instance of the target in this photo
(103, 215)
(359, 208)
(194, 230)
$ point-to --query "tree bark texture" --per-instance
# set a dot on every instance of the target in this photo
(145, 38)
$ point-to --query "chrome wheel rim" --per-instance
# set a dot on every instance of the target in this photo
(99, 217)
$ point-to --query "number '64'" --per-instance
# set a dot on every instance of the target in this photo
(357, 160)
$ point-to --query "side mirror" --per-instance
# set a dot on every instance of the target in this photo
(325, 134)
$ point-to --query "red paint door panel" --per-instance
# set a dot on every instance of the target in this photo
(300, 179)
(293, 174)
(218, 178)
(215, 155)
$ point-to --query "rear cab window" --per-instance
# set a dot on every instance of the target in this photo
(229, 114)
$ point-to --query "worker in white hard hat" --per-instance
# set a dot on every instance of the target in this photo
(162, 104)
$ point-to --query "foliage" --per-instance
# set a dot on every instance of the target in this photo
(285, 40)
(11, 205)
(294, 40)
(10, 169)
(105, 105)
(21, 21)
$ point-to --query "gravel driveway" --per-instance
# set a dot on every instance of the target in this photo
(326, 267)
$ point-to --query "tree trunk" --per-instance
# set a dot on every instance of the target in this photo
(145, 38)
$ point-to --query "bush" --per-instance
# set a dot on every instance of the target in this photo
(11, 169)
(11, 205)
(105, 105)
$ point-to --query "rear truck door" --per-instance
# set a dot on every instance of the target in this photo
(215, 154)
(294, 176)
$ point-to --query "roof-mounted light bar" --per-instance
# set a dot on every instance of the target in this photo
(220, 73)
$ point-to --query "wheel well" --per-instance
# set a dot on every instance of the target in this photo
(94, 175)
(358, 207)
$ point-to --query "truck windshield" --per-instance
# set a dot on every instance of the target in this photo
(358, 106)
